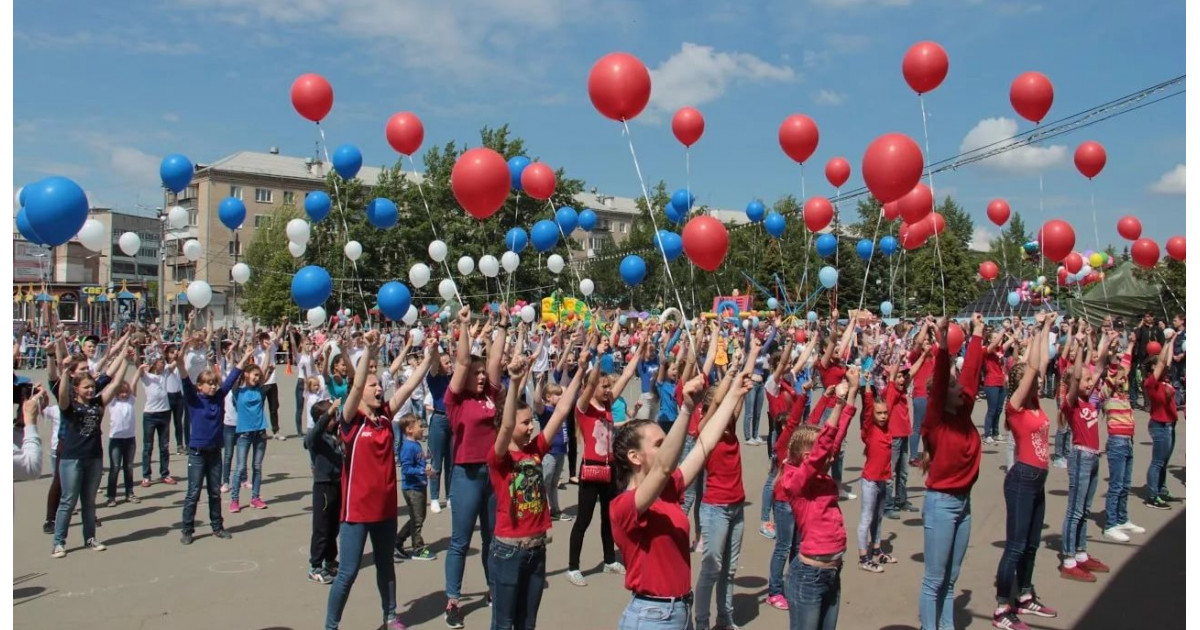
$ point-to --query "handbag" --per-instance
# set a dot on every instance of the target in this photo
(596, 473)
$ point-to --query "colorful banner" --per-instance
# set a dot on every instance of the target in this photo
(568, 310)
(743, 303)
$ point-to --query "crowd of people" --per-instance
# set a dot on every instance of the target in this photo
(490, 417)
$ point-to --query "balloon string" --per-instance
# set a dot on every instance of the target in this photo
(428, 213)
(1166, 286)
(566, 243)
(654, 221)
(863, 296)
(937, 241)
(807, 235)
(837, 252)
(1096, 227)
(345, 227)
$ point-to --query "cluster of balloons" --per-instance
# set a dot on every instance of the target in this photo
(298, 232)
(1034, 291)
(52, 211)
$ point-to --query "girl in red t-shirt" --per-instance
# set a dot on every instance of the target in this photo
(1025, 486)
(1163, 416)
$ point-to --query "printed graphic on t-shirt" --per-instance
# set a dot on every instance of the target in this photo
(526, 489)
(1040, 440)
(1090, 416)
(601, 433)
(90, 417)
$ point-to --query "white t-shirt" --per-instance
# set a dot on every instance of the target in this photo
(230, 419)
(156, 392)
(94, 364)
(266, 358)
(120, 419)
(52, 415)
(174, 383)
(355, 355)
(304, 367)
(195, 361)
(312, 398)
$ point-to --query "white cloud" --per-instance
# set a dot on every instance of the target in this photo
(995, 133)
(126, 40)
(850, 4)
(981, 239)
(699, 74)
(1173, 182)
(170, 117)
(134, 165)
(829, 97)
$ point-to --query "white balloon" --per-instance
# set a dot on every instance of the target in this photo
(93, 235)
(410, 317)
(510, 261)
(353, 250)
(199, 294)
(129, 243)
(417, 335)
(418, 275)
(17, 196)
(586, 287)
(437, 251)
(447, 289)
(316, 316)
(177, 217)
(298, 231)
(240, 273)
(555, 263)
(1168, 333)
(193, 250)
(528, 314)
(489, 266)
(297, 249)
(466, 265)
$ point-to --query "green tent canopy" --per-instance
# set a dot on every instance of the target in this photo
(1120, 294)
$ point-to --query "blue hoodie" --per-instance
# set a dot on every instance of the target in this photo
(207, 412)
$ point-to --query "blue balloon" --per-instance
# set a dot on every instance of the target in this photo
(382, 213)
(826, 245)
(1014, 298)
(394, 300)
(567, 219)
(26, 230)
(587, 219)
(755, 211)
(669, 243)
(633, 270)
(176, 172)
(888, 245)
(311, 286)
(675, 215)
(347, 160)
(516, 240)
(317, 204)
(865, 248)
(544, 235)
(812, 316)
(828, 277)
(772, 303)
(775, 224)
(516, 166)
(885, 308)
(683, 200)
(232, 212)
(56, 208)
(21, 195)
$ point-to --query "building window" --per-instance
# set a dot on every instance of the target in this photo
(68, 311)
(124, 268)
(193, 217)
(262, 220)
(235, 192)
(624, 227)
(171, 248)
(289, 197)
(180, 273)
(235, 247)
(147, 271)
(264, 195)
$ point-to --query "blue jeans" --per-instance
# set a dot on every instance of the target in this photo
(918, 417)
(947, 524)
(814, 597)
(1025, 500)
(299, 406)
(440, 454)
(693, 491)
(768, 494)
(156, 422)
(1135, 381)
(352, 540)
(552, 467)
(787, 545)
(203, 468)
(1062, 443)
(896, 493)
(752, 410)
(872, 513)
(995, 406)
(1083, 475)
(641, 614)
(230, 435)
(258, 440)
(1163, 436)
(80, 479)
(519, 577)
(120, 458)
(1120, 473)
(723, 527)
(473, 501)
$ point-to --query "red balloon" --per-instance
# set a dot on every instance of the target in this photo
(891, 210)
(688, 125)
(1058, 239)
(892, 166)
(801, 336)
(818, 212)
(925, 66)
(1153, 348)
(1129, 228)
(405, 132)
(998, 211)
(989, 270)
(934, 224)
(480, 181)
(798, 135)
(538, 180)
(837, 171)
(705, 241)
(954, 338)
(1073, 262)
(1062, 276)
(1031, 96)
(1177, 248)
(1090, 158)
(917, 204)
(1144, 252)
(913, 236)
(312, 96)
(619, 86)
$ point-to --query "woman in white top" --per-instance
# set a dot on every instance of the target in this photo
(175, 406)
(122, 440)
(304, 371)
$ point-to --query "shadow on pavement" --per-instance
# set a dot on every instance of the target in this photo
(1155, 572)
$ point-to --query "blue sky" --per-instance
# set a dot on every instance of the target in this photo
(102, 90)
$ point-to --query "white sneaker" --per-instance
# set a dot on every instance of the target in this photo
(58, 552)
(576, 578)
(1128, 526)
(435, 506)
(615, 567)
(95, 545)
(1115, 533)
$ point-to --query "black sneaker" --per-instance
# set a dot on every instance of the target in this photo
(454, 617)
(318, 575)
(48, 527)
(186, 538)
(400, 555)
(222, 534)
(331, 568)
(1157, 503)
(1165, 495)
(1034, 606)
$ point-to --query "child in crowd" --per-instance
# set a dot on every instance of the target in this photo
(326, 451)
(249, 398)
(414, 485)
(122, 441)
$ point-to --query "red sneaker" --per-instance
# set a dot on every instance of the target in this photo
(1077, 573)
(258, 504)
(170, 481)
(1094, 565)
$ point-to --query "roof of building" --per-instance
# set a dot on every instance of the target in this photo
(275, 165)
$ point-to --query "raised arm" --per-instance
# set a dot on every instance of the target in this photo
(462, 356)
(405, 390)
(593, 380)
(1033, 361)
(354, 396)
(630, 368)
(1164, 359)
(566, 403)
(718, 422)
(110, 391)
(518, 371)
(495, 357)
